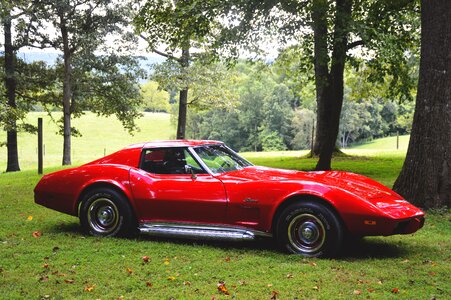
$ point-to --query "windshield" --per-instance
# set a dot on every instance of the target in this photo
(219, 158)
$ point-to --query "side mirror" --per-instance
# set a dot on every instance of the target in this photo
(189, 170)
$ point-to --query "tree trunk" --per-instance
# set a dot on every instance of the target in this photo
(332, 101)
(425, 178)
(319, 18)
(10, 85)
(67, 94)
(183, 100)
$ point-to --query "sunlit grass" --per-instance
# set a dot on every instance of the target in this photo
(387, 143)
(100, 135)
(64, 264)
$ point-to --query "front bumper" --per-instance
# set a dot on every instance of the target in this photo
(409, 226)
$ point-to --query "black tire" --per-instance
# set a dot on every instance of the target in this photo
(105, 212)
(310, 229)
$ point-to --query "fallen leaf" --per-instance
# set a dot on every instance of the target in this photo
(405, 261)
(432, 273)
(166, 261)
(395, 290)
(149, 284)
(89, 288)
(269, 285)
(312, 264)
(36, 234)
(274, 295)
(129, 271)
(379, 282)
(289, 275)
(227, 259)
(45, 266)
(222, 288)
(371, 290)
(30, 218)
(357, 292)
(145, 259)
(44, 279)
(186, 283)
(171, 278)
(316, 288)
(242, 282)
(69, 281)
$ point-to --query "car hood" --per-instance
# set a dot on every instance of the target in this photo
(360, 186)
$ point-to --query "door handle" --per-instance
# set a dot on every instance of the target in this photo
(249, 200)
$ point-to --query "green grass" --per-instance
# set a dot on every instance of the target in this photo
(417, 265)
(387, 143)
(99, 134)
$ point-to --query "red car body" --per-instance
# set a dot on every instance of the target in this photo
(249, 198)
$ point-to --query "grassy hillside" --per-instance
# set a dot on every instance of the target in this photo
(99, 134)
(387, 143)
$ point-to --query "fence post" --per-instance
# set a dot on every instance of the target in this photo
(397, 140)
(40, 152)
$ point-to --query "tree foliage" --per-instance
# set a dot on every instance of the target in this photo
(154, 98)
(79, 30)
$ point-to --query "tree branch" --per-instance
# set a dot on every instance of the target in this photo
(167, 55)
(355, 44)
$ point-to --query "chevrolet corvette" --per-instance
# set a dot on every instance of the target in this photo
(204, 190)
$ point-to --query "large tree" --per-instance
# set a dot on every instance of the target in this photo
(179, 26)
(10, 85)
(82, 28)
(18, 22)
(10, 48)
(425, 178)
(383, 30)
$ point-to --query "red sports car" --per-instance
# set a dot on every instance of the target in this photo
(203, 189)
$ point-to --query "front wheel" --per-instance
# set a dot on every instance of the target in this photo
(105, 212)
(310, 229)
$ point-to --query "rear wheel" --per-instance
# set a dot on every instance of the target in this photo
(105, 212)
(310, 229)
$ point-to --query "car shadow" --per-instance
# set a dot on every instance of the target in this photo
(372, 248)
(364, 248)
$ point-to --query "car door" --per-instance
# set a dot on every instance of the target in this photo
(164, 190)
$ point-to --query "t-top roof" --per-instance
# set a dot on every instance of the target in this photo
(174, 143)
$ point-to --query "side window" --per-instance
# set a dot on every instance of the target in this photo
(168, 161)
(190, 161)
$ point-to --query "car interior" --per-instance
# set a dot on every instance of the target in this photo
(169, 161)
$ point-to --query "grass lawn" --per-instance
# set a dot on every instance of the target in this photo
(387, 143)
(62, 263)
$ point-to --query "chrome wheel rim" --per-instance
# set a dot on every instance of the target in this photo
(306, 233)
(103, 215)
